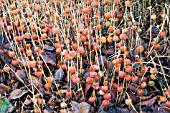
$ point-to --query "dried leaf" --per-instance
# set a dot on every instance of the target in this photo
(23, 60)
(21, 74)
(75, 106)
(132, 87)
(122, 110)
(17, 93)
(110, 51)
(34, 80)
(110, 66)
(146, 97)
(4, 88)
(59, 74)
(48, 58)
(149, 102)
(101, 60)
(49, 48)
(134, 97)
(83, 107)
(87, 74)
(164, 108)
(7, 46)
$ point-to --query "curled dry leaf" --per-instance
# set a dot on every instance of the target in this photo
(110, 51)
(134, 97)
(58, 74)
(101, 60)
(82, 107)
(48, 58)
(4, 88)
(149, 102)
(49, 48)
(21, 74)
(122, 110)
(34, 80)
(75, 106)
(165, 109)
(87, 74)
(17, 93)
(146, 97)
(132, 87)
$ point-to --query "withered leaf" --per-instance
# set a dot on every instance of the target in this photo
(48, 58)
(146, 97)
(164, 109)
(132, 87)
(17, 93)
(122, 110)
(75, 106)
(82, 107)
(7, 46)
(4, 88)
(87, 88)
(87, 74)
(101, 60)
(21, 74)
(34, 80)
(149, 102)
(59, 74)
(134, 97)
(110, 51)
(49, 48)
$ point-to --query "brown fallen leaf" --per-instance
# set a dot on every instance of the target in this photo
(146, 97)
(49, 48)
(17, 93)
(149, 102)
(134, 97)
(4, 88)
(21, 74)
(102, 60)
(163, 108)
(82, 107)
(49, 58)
(132, 87)
(87, 74)
(34, 80)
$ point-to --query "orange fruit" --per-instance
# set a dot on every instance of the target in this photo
(6, 69)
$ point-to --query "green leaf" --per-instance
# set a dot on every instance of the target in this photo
(5, 105)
